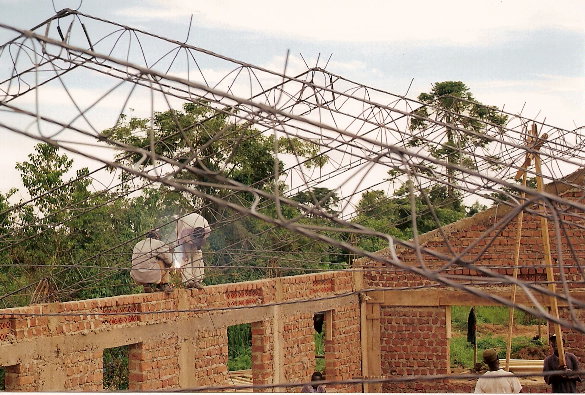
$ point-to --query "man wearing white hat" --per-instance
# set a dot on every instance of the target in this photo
(192, 231)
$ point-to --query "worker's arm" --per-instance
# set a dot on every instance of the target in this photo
(164, 253)
(575, 364)
(166, 257)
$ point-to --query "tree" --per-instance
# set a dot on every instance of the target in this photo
(392, 215)
(68, 224)
(209, 140)
(469, 123)
(321, 198)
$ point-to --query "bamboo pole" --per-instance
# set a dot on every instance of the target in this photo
(515, 274)
(547, 255)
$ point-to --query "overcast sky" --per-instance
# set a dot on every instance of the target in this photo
(521, 54)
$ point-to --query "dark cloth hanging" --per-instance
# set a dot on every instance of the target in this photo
(471, 327)
(318, 319)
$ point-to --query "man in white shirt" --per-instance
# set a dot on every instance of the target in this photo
(192, 230)
(496, 380)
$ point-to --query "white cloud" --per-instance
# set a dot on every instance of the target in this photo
(460, 22)
(558, 99)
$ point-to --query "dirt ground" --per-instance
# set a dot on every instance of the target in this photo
(517, 330)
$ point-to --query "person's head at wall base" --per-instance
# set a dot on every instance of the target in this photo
(316, 377)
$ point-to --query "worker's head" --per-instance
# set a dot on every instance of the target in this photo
(153, 234)
(490, 357)
(198, 237)
(317, 376)
(552, 340)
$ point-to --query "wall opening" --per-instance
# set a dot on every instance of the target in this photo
(7, 376)
(116, 368)
(319, 339)
(239, 347)
(529, 337)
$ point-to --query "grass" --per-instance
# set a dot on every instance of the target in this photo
(489, 315)
(319, 351)
(461, 351)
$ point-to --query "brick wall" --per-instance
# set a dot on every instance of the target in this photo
(154, 365)
(83, 370)
(343, 349)
(299, 347)
(492, 249)
(180, 340)
(414, 340)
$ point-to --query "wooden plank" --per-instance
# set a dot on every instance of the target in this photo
(550, 277)
(374, 352)
(364, 334)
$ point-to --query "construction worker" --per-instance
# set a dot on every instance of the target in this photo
(192, 231)
(316, 377)
(561, 383)
(496, 380)
(151, 263)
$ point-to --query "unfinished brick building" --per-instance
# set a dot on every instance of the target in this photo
(388, 318)
(377, 324)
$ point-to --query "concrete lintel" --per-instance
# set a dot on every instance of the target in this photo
(185, 329)
(443, 297)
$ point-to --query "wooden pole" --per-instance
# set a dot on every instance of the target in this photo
(515, 275)
(547, 255)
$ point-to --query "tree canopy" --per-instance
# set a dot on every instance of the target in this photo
(467, 126)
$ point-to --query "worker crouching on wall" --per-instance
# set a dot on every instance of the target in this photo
(151, 263)
(192, 231)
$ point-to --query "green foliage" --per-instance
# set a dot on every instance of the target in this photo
(116, 368)
(475, 208)
(71, 224)
(2, 379)
(209, 140)
(323, 198)
(454, 104)
(462, 351)
(242, 361)
(392, 215)
(239, 347)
